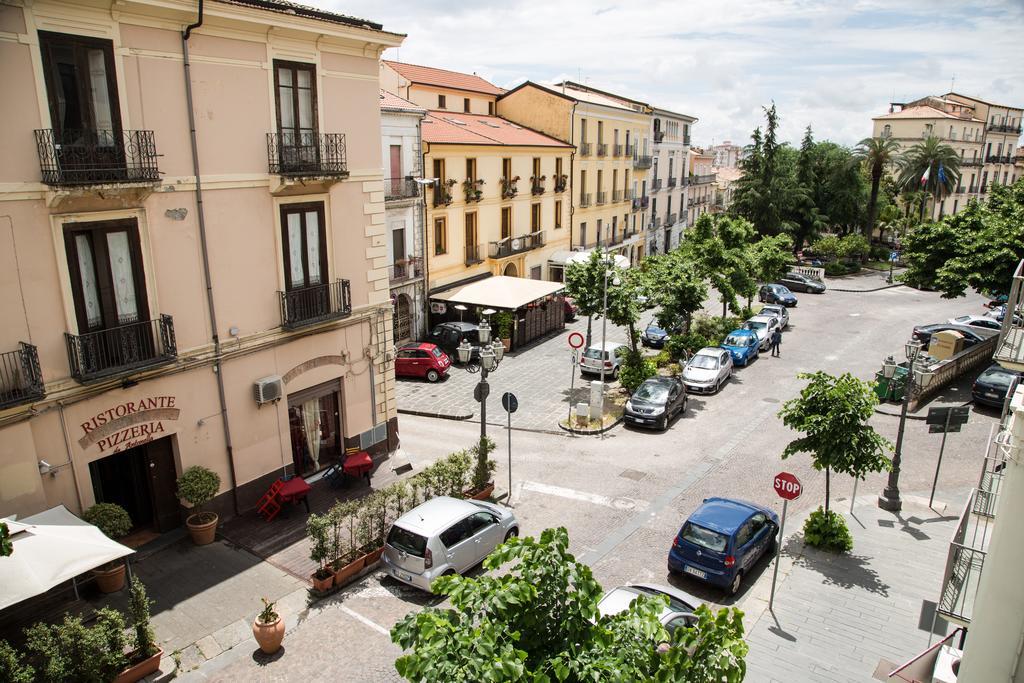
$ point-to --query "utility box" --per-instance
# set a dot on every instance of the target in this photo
(945, 344)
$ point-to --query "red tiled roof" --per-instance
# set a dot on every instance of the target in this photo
(442, 127)
(442, 78)
(392, 101)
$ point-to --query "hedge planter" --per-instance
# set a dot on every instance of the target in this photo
(349, 571)
(110, 580)
(140, 670)
(482, 494)
(373, 556)
(268, 636)
(322, 584)
(202, 533)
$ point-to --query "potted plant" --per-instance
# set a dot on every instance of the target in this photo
(144, 659)
(268, 628)
(503, 322)
(198, 485)
(348, 560)
(318, 529)
(114, 521)
(481, 485)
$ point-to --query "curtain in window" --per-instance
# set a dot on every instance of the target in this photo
(294, 247)
(98, 87)
(287, 102)
(124, 279)
(311, 426)
(313, 247)
(90, 288)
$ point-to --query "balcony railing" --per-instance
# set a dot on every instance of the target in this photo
(627, 195)
(96, 157)
(602, 198)
(686, 139)
(537, 185)
(617, 150)
(654, 223)
(617, 237)
(400, 188)
(585, 200)
(474, 254)
(645, 202)
(602, 149)
(973, 189)
(1010, 349)
(672, 182)
(307, 155)
(443, 192)
(970, 162)
(635, 206)
(561, 182)
(642, 162)
(1003, 128)
(586, 148)
(315, 304)
(121, 349)
(516, 245)
(672, 218)
(409, 269)
(508, 187)
(656, 185)
(616, 196)
(659, 135)
(21, 378)
(703, 179)
(999, 159)
(471, 189)
(628, 150)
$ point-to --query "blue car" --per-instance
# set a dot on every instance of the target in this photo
(722, 540)
(743, 345)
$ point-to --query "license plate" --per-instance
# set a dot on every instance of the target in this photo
(696, 572)
(992, 394)
(402, 575)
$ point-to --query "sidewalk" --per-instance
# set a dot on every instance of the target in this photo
(844, 617)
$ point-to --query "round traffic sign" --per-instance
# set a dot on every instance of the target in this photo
(509, 402)
(575, 340)
(787, 486)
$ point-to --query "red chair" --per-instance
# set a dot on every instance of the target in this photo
(270, 503)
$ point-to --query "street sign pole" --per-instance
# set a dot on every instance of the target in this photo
(572, 388)
(788, 487)
(778, 554)
(511, 404)
(935, 481)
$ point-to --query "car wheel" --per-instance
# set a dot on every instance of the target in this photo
(432, 376)
(737, 582)
(511, 533)
(663, 425)
(615, 372)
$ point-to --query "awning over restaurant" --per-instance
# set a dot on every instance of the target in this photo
(566, 257)
(500, 291)
(50, 548)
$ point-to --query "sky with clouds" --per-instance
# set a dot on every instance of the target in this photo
(830, 63)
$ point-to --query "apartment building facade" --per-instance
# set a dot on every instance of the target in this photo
(610, 136)
(669, 173)
(701, 184)
(216, 298)
(401, 149)
(1002, 138)
(727, 155)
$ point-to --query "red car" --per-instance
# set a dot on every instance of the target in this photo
(422, 359)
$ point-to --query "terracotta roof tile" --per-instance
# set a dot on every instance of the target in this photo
(294, 8)
(923, 112)
(442, 78)
(392, 101)
(441, 127)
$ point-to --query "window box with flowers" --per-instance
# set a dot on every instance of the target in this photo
(471, 188)
(561, 182)
(537, 184)
(508, 187)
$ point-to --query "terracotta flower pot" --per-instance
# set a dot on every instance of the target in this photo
(347, 572)
(140, 669)
(269, 636)
(373, 556)
(202, 534)
(322, 584)
(482, 494)
(110, 580)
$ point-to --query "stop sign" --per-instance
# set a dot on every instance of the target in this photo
(787, 486)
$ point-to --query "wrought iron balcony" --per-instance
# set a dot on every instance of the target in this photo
(672, 182)
(635, 206)
(602, 198)
(642, 162)
(96, 157)
(408, 269)
(686, 139)
(659, 135)
(645, 202)
(671, 220)
(628, 150)
(508, 187)
(617, 150)
(616, 196)
(656, 185)
(703, 179)
(561, 182)
(602, 149)
(1010, 349)
(400, 188)
(122, 349)
(585, 199)
(21, 378)
(616, 237)
(474, 254)
(973, 189)
(970, 162)
(586, 148)
(516, 245)
(1003, 128)
(655, 223)
(998, 159)
(471, 189)
(537, 185)
(627, 195)
(307, 155)
(315, 304)
(443, 192)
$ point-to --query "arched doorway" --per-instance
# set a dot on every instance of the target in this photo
(403, 318)
(510, 270)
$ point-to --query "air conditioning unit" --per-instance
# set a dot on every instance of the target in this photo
(268, 389)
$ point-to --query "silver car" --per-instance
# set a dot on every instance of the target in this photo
(763, 326)
(610, 357)
(708, 370)
(779, 311)
(445, 536)
(679, 612)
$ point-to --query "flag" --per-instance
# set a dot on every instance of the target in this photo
(924, 177)
(942, 174)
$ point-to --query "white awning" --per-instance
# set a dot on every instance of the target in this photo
(500, 291)
(50, 548)
(566, 257)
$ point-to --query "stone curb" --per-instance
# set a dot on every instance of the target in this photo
(911, 416)
(876, 289)
(589, 432)
(440, 416)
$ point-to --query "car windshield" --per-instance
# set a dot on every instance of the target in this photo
(437, 352)
(779, 289)
(756, 325)
(651, 391)
(737, 340)
(998, 377)
(705, 538)
(593, 353)
(653, 329)
(403, 539)
(703, 362)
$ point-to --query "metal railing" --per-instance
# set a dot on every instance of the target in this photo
(616, 196)
(970, 162)
(1010, 347)
(642, 162)
(115, 350)
(96, 157)
(973, 189)
(405, 270)
(516, 245)
(585, 149)
(307, 155)
(672, 218)
(537, 185)
(616, 237)
(999, 159)
(1003, 128)
(635, 206)
(617, 150)
(471, 189)
(602, 149)
(654, 223)
(474, 254)
(442, 193)
(672, 182)
(509, 188)
(21, 377)
(656, 185)
(659, 135)
(585, 199)
(400, 188)
(315, 304)
(561, 183)
(627, 195)
(703, 179)
(602, 198)
(627, 151)
(686, 139)
(645, 202)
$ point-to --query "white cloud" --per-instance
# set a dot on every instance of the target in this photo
(831, 63)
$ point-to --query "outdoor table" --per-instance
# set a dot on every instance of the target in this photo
(358, 465)
(294, 490)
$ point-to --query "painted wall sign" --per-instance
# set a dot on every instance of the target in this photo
(129, 424)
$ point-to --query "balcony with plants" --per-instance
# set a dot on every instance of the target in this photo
(561, 182)
(76, 158)
(508, 187)
(443, 192)
(537, 185)
(21, 377)
(404, 270)
(472, 189)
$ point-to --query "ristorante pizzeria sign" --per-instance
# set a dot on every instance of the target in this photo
(129, 424)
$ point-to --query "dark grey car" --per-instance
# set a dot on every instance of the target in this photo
(798, 282)
(656, 402)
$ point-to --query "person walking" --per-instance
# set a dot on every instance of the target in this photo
(776, 342)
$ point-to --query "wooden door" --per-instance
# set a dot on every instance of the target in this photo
(396, 170)
(159, 459)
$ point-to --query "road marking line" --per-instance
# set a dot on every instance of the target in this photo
(359, 617)
(595, 498)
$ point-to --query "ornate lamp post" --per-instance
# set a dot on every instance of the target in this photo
(917, 375)
(491, 354)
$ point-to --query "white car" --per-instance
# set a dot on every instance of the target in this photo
(678, 613)
(445, 536)
(779, 311)
(989, 323)
(763, 326)
(610, 356)
(707, 370)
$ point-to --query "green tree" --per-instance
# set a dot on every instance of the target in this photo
(676, 287)
(584, 282)
(876, 154)
(772, 256)
(766, 193)
(12, 667)
(833, 413)
(932, 166)
(807, 216)
(627, 299)
(841, 190)
(539, 621)
(6, 547)
(719, 248)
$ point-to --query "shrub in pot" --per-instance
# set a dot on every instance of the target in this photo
(71, 651)
(13, 667)
(197, 485)
(348, 559)
(481, 484)
(318, 530)
(268, 628)
(115, 522)
(144, 659)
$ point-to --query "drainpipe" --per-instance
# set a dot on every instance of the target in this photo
(217, 367)
(424, 147)
(572, 166)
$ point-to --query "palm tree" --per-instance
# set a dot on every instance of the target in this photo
(877, 153)
(932, 166)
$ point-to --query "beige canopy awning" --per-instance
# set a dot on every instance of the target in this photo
(500, 291)
(564, 258)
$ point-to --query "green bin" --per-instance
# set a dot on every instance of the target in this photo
(891, 389)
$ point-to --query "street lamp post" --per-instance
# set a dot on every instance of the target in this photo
(491, 354)
(604, 326)
(917, 375)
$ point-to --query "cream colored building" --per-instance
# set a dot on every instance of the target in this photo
(1002, 138)
(145, 331)
(669, 171)
(727, 155)
(700, 187)
(609, 170)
